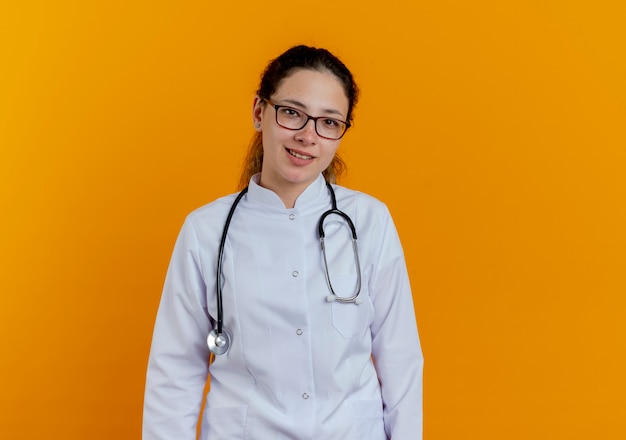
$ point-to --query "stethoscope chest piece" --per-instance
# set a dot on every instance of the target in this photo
(218, 343)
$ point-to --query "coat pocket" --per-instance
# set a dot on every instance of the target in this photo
(224, 422)
(350, 319)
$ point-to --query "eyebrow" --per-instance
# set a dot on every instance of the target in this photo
(302, 105)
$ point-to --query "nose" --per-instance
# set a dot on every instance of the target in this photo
(307, 133)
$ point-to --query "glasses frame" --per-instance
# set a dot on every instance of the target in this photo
(308, 118)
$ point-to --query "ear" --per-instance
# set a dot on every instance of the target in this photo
(258, 105)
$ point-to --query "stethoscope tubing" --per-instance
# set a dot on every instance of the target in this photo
(218, 340)
(220, 257)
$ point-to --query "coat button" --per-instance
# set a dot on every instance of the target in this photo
(292, 216)
(305, 396)
(294, 273)
(299, 332)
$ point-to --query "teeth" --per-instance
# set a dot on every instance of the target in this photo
(299, 156)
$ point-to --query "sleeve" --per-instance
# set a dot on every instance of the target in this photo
(396, 346)
(179, 357)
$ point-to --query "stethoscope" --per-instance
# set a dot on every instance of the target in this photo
(218, 339)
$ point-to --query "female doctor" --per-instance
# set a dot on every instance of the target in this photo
(305, 341)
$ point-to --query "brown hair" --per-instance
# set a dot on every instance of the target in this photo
(299, 57)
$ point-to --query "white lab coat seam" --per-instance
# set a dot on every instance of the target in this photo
(243, 221)
(198, 260)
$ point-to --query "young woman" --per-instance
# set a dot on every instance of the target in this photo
(307, 340)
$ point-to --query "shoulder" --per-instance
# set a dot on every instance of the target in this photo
(373, 223)
(216, 207)
(350, 199)
(207, 220)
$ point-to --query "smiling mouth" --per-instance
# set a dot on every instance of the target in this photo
(298, 155)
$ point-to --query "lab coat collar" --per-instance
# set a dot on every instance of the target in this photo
(315, 192)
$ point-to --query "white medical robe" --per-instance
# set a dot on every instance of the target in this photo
(299, 367)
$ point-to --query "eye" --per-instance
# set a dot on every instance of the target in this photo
(290, 112)
(331, 123)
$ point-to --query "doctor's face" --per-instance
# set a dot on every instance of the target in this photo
(292, 159)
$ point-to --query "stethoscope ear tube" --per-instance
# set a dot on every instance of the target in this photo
(334, 210)
(333, 295)
(320, 228)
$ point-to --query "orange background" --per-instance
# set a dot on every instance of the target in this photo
(495, 131)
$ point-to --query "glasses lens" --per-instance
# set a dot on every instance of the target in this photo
(290, 118)
(330, 128)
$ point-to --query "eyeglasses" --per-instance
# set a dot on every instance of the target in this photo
(294, 119)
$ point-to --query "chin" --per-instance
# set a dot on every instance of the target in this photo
(300, 178)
